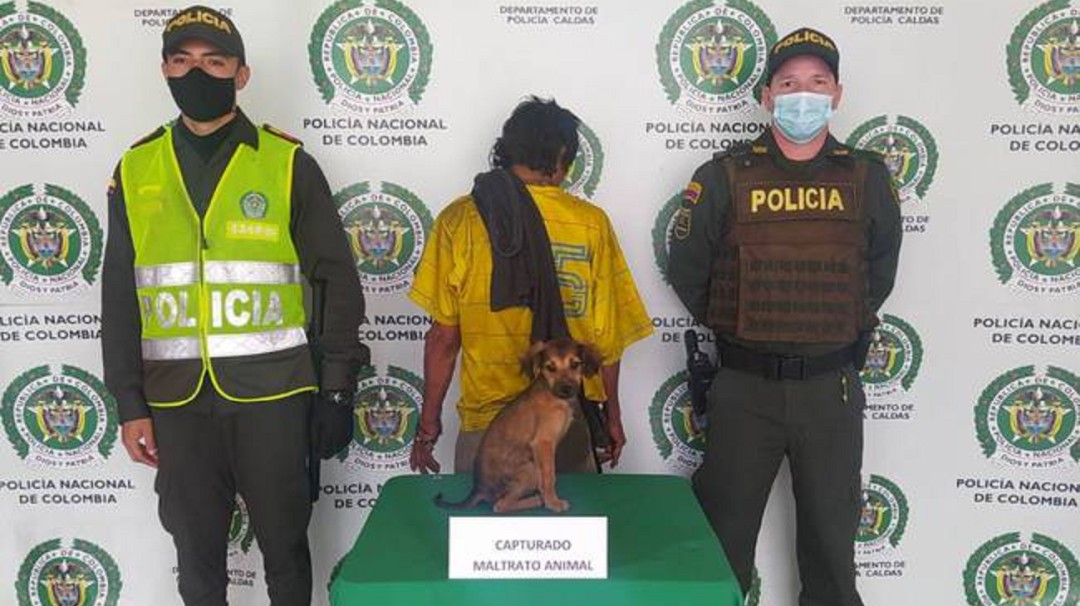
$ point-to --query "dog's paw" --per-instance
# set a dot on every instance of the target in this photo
(557, 505)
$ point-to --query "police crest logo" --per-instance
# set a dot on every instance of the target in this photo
(664, 229)
(1011, 570)
(254, 204)
(883, 517)
(679, 435)
(241, 532)
(712, 56)
(240, 539)
(893, 359)
(1035, 240)
(81, 574)
(1029, 420)
(42, 62)
(59, 420)
(386, 226)
(386, 411)
(370, 56)
(584, 174)
(1043, 59)
(52, 242)
(909, 151)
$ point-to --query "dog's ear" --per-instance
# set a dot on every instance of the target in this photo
(590, 359)
(530, 362)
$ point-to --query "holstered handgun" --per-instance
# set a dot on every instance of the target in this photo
(700, 371)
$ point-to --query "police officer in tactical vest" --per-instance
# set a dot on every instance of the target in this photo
(786, 247)
(212, 224)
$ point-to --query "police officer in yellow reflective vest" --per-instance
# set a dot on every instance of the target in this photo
(213, 222)
(786, 247)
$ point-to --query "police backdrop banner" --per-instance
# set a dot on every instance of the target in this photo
(972, 466)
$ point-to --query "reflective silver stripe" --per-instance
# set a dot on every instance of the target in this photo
(253, 343)
(166, 274)
(224, 346)
(251, 272)
(176, 348)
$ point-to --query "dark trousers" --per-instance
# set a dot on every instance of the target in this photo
(211, 449)
(753, 423)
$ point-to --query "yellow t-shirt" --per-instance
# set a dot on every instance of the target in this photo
(453, 285)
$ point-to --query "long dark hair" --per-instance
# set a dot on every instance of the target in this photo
(535, 134)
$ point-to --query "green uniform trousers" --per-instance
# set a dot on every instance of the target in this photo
(753, 423)
(209, 451)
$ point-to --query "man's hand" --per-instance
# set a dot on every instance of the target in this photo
(441, 346)
(138, 439)
(617, 437)
(422, 457)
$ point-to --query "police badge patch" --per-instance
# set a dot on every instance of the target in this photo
(681, 227)
(254, 204)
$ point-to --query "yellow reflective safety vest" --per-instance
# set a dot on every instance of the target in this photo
(219, 297)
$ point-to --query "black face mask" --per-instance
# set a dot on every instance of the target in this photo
(202, 97)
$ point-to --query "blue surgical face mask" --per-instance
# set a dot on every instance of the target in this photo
(802, 116)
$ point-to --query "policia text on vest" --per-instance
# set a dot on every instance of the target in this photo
(224, 286)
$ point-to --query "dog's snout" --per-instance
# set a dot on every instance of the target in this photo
(564, 389)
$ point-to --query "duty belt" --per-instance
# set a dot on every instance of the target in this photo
(778, 366)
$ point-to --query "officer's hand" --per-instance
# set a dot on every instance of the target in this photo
(618, 439)
(332, 422)
(422, 456)
(138, 439)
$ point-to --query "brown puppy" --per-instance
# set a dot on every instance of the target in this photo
(516, 457)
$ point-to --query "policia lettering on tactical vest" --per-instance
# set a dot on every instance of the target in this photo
(213, 225)
(786, 247)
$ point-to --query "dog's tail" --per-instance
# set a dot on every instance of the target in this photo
(474, 499)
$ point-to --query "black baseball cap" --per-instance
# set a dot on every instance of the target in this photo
(203, 23)
(804, 41)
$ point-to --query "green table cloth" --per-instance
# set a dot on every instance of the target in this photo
(660, 548)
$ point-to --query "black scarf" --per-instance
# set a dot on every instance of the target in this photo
(522, 266)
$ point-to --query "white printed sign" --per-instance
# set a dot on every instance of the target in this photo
(528, 548)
